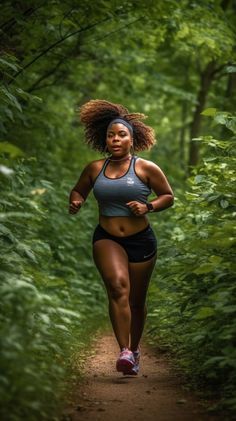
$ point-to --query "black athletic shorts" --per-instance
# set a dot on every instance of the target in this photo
(139, 247)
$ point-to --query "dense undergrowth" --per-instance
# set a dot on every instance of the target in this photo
(192, 298)
(51, 300)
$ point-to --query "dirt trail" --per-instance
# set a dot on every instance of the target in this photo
(155, 394)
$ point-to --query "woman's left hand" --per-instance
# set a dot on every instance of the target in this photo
(137, 208)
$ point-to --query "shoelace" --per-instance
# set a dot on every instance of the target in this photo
(126, 353)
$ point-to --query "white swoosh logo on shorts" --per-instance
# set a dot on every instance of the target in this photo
(148, 255)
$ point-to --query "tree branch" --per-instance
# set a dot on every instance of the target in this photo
(54, 45)
(63, 58)
(44, 52)
(47, 85)
(11, 22)
(116, 30)
(60, 24)
(219, 71)
(46, 75)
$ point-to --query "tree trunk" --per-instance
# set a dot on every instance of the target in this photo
(206, 78)
(184, 113)
(184, 125)
(231, 85)
(229, 101)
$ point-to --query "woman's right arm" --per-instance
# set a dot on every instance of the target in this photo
(81, 190)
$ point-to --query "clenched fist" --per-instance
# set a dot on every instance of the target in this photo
(75, 206)
(137, 208)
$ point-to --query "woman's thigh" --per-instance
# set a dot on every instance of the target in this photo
(112, 262)
(140, 275)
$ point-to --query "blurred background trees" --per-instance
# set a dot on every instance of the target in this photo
(175, 62)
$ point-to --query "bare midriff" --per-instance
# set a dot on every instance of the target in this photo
(122, 226)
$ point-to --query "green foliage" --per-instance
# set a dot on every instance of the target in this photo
(150, 56)
(48, 287)
(192, 300)
(205, 27)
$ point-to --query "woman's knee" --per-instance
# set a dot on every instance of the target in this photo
(118, 288)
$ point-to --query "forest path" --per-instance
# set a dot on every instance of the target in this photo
(155, 394)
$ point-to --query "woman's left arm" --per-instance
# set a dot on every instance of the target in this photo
(161, 187)
(158, 182)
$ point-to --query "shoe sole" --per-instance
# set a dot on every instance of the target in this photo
(133, 371)
(130, 372)
(123, 365)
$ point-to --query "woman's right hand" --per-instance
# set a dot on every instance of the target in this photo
(75, 206)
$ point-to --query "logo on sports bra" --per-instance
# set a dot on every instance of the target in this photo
(130, 180)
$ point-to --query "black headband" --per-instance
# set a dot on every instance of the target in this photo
(122, 121)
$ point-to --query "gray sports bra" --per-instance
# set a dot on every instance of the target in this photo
(112, 194)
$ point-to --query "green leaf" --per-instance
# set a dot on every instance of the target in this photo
(19, 284)
(25, 251)
(199, 178)
(65, 311)
(204, 313)
(61, 327)
(9, 114)
(204, 268)
(215, 259)
(221, 118)
(224, 203)
(8, 64)
(10, 149)
(230, 69)
(45, 318)
(13, 100)
(209, 112)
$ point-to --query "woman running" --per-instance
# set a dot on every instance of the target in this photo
(124, 244)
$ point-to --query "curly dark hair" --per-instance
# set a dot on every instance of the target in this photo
(96, 115)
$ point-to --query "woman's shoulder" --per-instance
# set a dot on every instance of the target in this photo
(145, 164)
(94, 167)
(149, 169)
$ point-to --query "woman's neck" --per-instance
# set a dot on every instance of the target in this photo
(125, 158)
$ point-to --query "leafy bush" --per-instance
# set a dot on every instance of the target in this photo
(192, 298)
(48, 288)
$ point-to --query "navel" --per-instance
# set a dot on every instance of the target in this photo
(121, 229)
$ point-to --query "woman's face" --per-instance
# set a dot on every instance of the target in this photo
(118, 140)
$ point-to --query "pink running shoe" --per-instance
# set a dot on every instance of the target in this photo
(135, 369)
(125, 361)
(137, 355)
